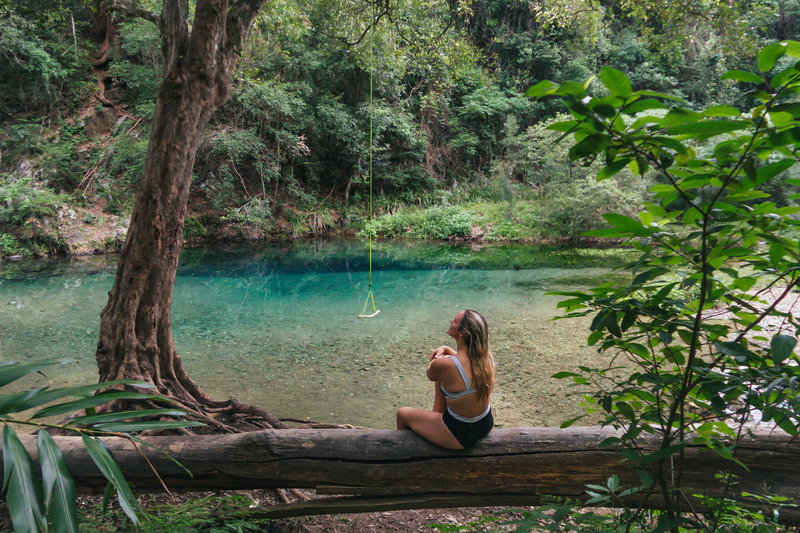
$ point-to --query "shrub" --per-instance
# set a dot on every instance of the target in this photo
(443, 223)
(20, 201)
(127, 159)
(9, 245)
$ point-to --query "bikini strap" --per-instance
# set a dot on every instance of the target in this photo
(463, 373)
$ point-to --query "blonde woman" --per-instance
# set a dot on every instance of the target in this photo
(464, 378)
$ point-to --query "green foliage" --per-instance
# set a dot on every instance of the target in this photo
(212, 513)
(127, 159)
(444, 223)
(575, 207)
(434, 223)
(10, 245)
(710, 239)
(139, 69)
(61, 166)
(33, 503)
(563, 517)
(193, 229)
(21, 201)
(257, 213)
(40, 68)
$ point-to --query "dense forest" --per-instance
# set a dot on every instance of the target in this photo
(458, 150)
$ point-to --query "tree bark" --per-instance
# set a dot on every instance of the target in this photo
(399, 470)
(135, 330)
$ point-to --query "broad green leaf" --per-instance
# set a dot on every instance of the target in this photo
(93, 401)
(792, 109)
(722, 111)
(543, 88)
(672, 144)
(677, 117)
(742, 75)
(776, 253)
(102, 458)
(76, 392)
(709, 127)
(612, 169)
(792, 48)
(9, 402)
(769, 56)
(626, 224)
(644, 104)
(125, 427)
(759, 94)
(783, 79)
(746, 195)
(662, 453)
(626, 410)
(23, 491)
(655, 94)
(568, 423)
(59, 489)
(562, 375)
(116, 416)
(603, 110)
(771, 170)
(782, 347)
(616, 82)
(737, 251)
(571, 88)
(786, 424)
(734, 349)
(691, 216)
(14, 371)
(588, 146)
(564, 127)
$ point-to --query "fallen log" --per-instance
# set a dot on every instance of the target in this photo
(383, 469)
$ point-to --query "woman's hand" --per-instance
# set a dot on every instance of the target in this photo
(441, 351)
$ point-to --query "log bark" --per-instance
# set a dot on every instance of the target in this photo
(397, 469)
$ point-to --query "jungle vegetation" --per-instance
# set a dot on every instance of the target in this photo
(458, 151)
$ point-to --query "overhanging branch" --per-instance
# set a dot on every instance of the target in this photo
(132, 11)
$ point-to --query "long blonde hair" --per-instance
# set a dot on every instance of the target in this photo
(476, 336)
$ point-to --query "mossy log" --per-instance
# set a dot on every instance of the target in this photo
(386, 470)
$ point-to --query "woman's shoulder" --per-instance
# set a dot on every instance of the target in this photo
(441, 365)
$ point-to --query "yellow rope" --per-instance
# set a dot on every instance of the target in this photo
(370, 295)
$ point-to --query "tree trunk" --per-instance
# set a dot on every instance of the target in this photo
(399, 470)
(135, 329)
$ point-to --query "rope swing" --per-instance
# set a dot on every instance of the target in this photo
(370, 295)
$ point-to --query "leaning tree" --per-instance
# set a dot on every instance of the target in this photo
(135, 329)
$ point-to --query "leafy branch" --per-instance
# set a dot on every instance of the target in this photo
(31, 502)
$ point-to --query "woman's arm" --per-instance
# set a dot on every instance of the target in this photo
(442, 350)
(439, 401)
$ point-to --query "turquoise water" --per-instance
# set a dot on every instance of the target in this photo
(276, 325)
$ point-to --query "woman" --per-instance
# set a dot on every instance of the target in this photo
(464, 379)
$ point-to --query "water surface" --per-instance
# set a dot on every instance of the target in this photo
(276, 325)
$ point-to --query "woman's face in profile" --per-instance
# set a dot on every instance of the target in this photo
(455, 325)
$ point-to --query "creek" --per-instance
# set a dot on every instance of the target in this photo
(276, 325)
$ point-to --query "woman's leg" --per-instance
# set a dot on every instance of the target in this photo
(428, 425)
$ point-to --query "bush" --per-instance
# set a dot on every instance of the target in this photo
(434, 223)
(10, 245)
(257, 213)
(127, 159)
(574, 208)
(21, 201)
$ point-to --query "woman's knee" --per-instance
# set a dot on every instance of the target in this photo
(403, 417)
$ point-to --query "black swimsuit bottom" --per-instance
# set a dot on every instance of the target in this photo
(468, 433)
